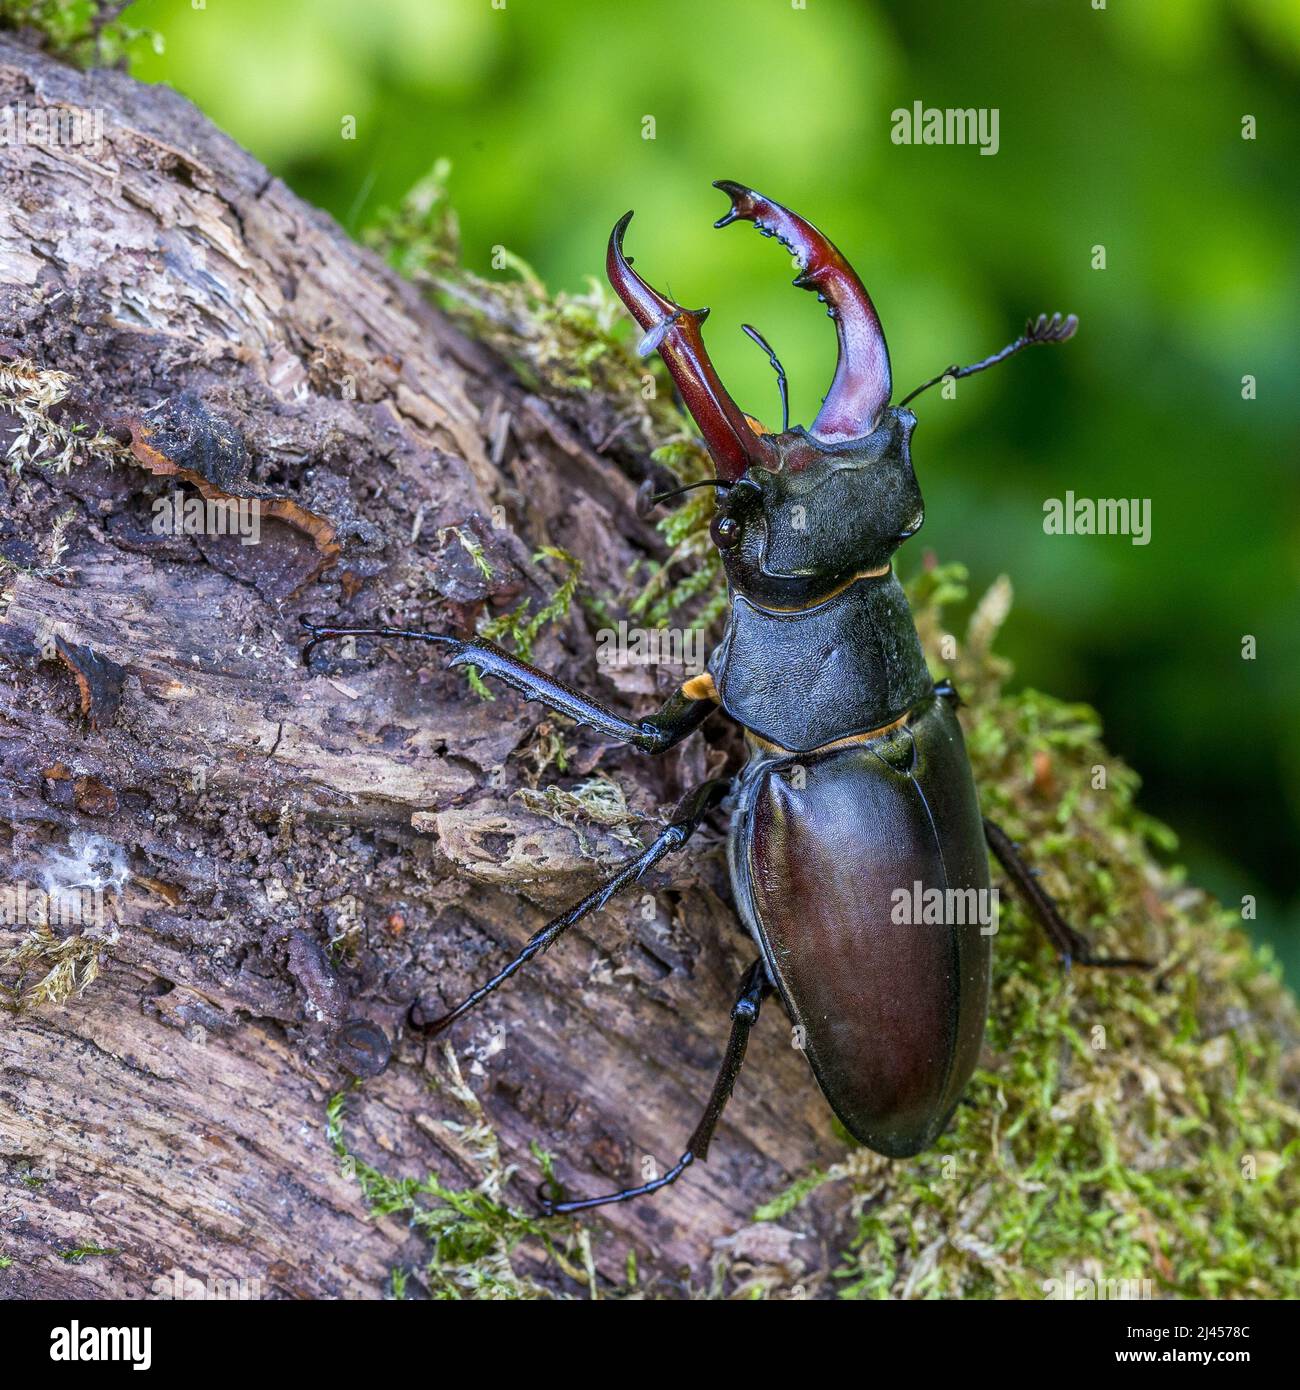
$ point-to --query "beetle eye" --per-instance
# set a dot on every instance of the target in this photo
(725, 531)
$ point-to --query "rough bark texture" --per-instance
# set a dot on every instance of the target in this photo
(244, 813)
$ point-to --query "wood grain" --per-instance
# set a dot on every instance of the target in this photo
(175, 1112)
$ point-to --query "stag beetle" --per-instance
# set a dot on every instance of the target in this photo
(857, 781)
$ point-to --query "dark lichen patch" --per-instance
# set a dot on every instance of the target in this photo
(194, 442)
(100, 681)
(184, 440)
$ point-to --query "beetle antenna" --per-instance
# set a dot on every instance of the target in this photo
(751, 332)
(647, 499)
(1039, 330)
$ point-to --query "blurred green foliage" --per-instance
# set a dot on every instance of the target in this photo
(1120, 127)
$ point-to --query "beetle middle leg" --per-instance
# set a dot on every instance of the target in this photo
(691, 810)
(754, 988)
(1072, 946)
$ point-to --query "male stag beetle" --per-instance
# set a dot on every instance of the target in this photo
(857, 781)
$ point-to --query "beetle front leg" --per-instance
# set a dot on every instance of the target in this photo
(681, 714)
(1073, 947)
(754, 988)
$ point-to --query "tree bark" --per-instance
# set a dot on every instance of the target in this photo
(282, 850)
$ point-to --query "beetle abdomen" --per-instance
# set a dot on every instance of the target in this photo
(836, 857)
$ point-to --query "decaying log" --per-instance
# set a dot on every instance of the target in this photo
(282, 851)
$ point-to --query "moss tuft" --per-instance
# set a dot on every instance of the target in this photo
(560, 343)
(88, 33)
(472, 1233)
(593, 801)
(65, 968)
(85, 1252)
(35, 396)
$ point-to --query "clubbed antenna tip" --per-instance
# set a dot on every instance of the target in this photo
(1059, 328)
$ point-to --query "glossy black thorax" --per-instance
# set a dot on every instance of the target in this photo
(820, 643)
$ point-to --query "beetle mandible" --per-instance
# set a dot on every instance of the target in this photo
(857, 783)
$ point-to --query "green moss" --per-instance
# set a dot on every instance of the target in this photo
(519, 629)
(86, 32)
(560, 342)
(474, 549)
(473, 1234)
(85, 1252)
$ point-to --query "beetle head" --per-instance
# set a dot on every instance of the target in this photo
(790, 535)
(803, 510)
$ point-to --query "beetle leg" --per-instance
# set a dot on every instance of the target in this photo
(679, 716)
(691, 810)
(754, 988)
(1073, 947)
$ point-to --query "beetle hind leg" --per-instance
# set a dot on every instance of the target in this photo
(754, 988)
(1072, 946)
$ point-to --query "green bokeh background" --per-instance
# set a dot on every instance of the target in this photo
(1119, 127)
